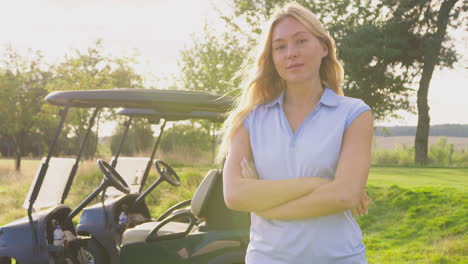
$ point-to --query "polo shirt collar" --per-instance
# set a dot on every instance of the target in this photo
(329, 98)
(279, 100)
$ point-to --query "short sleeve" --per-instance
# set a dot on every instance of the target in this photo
(247, 121)
(355, 111)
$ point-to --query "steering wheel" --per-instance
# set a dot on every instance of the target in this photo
(167, 173)
(113, 177)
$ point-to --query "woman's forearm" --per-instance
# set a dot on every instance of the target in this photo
(325, 200)
(243, 191)
(348, 186)
(258, 195)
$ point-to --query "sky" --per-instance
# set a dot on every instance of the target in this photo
(157, 30)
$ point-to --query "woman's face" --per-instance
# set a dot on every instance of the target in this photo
(296, 52)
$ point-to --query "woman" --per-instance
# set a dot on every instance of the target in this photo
(298, 150)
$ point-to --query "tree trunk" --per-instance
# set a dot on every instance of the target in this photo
(213, 143)
(431, 54)
(422, 130)
(17, 161)
(96, 144)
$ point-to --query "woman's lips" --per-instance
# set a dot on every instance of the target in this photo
(294, 66)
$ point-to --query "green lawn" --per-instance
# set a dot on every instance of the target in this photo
(411, 177)
(416, 215)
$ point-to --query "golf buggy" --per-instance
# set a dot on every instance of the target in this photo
(31, 239)
(199, 230)
(101, 220)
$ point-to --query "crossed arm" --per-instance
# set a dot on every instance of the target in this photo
(301, 197)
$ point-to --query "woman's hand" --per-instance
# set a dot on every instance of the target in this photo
(361, 209)
(248, 169)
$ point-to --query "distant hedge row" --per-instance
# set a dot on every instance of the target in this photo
(440, 153)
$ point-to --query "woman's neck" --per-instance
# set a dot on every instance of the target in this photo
(303, 94)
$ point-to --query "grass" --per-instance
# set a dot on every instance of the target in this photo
(411, 177)
(8, 173)
(416, 215)
(161, 198)
(14, 187)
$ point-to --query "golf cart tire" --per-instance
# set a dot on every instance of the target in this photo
(97, 251)
(229, 258)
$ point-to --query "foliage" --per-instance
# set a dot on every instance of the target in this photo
(22, 86)
(461, 157)
(27, 124)
(139, 138)
(425, 22)
(211, 62)
(441, 153)
(385, 46)
(448, 130)
(87, 70)
(402, 155)
(370, 74)
(209, 65)
(185, 138)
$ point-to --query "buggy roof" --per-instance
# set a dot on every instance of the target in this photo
(153, 104)
(154, 116)
(164, 101)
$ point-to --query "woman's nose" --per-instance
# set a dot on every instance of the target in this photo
(292, 51)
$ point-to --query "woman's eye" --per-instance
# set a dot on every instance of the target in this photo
(280, 47)
(301, 41)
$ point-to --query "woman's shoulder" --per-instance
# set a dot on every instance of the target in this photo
(351, 108)
(330, 98)
(350, 102)
(259, 112)
(259, 108)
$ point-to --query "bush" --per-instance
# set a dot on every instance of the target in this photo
(441, 153)
(460, 158)
(187, 138)
(384, 157)
(405, 155)
(401, 155)
(139, 139)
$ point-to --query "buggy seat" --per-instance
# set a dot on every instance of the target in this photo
(207, 204)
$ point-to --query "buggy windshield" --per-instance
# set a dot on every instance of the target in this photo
(53, 186)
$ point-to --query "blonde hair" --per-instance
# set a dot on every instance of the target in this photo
(263, 84)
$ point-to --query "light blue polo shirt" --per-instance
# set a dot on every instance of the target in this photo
(313, 150)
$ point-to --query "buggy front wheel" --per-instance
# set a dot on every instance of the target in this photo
(93, 253)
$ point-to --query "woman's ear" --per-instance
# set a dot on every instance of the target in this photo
(325, 50)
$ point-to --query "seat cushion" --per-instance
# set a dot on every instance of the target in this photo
(140, 232)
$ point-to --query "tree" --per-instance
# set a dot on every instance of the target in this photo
(186, 138)
(90, 70)
(437, 17)
(380, 82)
(139, 138)
(211, 62)
(22, 89)
(412, 36)
(385, 45)
(209, 65)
